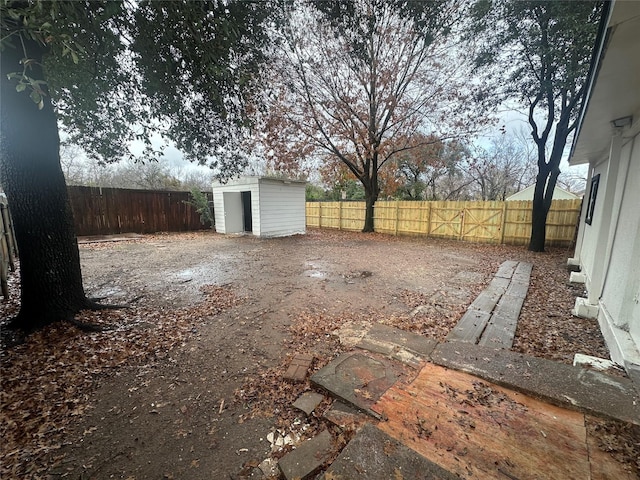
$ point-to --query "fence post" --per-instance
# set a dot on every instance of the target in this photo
(319, 214)
(503, 222)
(428, 230)
(462, 223)
(339, 215)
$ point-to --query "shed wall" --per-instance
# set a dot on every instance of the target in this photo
(251, 185)
(282, 208)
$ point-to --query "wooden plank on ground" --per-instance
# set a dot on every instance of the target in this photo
(486, 300)
(500, 332)
(509, 306)
(478, 430)
(518, 289)
(523, 272)
(506, 269)
(470, 327)
(602, 466)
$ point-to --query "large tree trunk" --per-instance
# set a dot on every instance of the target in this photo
(368, 216)
(51, 280)
(371, 192)
(542, 198)
(538, 226)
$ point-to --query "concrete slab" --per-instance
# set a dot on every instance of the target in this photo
(308, 401)
(374, 455)
(557, 383)
(358, 378)
(376, 346)
(345, 416)
(596, 363)
(307, 458)
(383, 339)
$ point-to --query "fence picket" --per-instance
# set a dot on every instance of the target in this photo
(487, 222)
(104, 211)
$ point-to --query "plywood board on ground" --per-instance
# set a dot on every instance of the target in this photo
(479, 430)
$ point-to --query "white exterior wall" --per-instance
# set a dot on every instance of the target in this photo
(590, 238)
(282, 208)
(608, 139)
(619, 313)
(618, 275)
(248, 184)
(610, 254)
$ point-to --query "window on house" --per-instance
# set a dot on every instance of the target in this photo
(593, 193)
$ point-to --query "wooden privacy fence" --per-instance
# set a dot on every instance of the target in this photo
(8, 250)
(104, 211)
(481, 222)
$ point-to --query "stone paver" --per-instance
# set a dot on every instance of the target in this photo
(307, 458)
(308, 401)
(559, 384)
(298, 368)
(345, 416)
(374, 455)
(409, 348)
(358, 378)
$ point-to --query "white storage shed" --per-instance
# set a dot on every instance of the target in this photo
(265, 207)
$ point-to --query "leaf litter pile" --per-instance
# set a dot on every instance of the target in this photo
(47, 380)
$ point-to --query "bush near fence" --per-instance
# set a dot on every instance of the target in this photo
(482, 222)
(105, 211)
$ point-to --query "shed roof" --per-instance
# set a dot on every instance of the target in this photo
(256, 179)
(527, 194)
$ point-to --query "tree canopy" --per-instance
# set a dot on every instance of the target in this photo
(112, 73)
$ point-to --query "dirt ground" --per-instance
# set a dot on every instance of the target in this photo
(188, 382)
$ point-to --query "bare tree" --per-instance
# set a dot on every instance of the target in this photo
(504, 167)
(353, 79)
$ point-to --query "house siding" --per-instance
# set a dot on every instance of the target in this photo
(590, 239)
(623, 283)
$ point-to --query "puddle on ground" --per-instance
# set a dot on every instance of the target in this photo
(203, 274)
(315, 270)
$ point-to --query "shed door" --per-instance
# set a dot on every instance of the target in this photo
(246, 208)
(233, 215)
